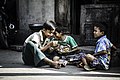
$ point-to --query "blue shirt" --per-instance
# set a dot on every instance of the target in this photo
(103, 44)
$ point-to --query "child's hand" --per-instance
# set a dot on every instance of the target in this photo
(55, 43)
(50, 43)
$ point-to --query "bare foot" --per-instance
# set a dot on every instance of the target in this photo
(56, 65)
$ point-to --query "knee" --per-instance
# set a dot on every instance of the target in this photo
(56, 58)
(88, 55)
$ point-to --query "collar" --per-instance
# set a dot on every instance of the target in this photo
(41, 35)
(101, 38)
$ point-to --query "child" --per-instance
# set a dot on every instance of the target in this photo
(67, 46)
(36, 46)
(101, 57)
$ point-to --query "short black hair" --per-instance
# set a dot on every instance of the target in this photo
(49, 25)
(61, 29)
(101, 25)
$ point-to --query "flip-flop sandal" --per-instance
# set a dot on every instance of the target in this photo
(87, 68)
(80, 65)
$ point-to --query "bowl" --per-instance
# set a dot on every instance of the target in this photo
(36, 26)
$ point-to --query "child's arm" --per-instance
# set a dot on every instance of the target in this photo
(75, 49)
(100, 53)
(49, 44)
(114, 47)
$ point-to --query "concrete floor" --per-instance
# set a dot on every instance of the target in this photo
(12, 68)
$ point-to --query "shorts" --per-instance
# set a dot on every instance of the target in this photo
(99, 64)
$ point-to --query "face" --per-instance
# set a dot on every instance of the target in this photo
(58, 35)
(97, 32)
(48, 33)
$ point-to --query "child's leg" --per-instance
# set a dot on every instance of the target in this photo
(90, 57)
(85, 60)
(82, 63)
(61, 61)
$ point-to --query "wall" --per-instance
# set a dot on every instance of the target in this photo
(62, 13)
(33, 11)
(108, 13)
